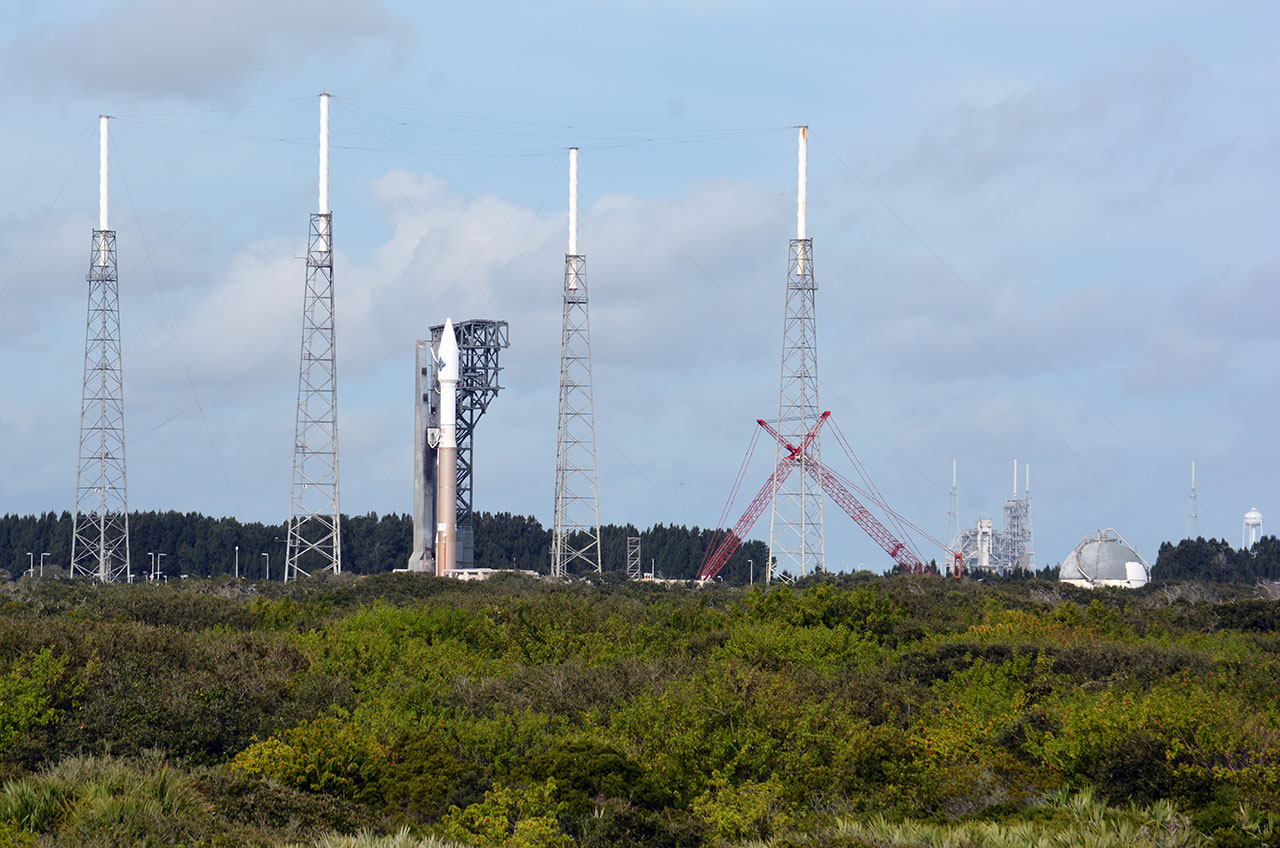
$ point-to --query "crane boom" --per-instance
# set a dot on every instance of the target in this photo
(851, 505)
(719, 556)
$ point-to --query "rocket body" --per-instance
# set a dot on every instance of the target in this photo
(447, 470)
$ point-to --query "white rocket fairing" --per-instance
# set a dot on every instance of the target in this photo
(447, 469)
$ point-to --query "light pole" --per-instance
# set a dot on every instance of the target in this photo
(237, 562)
(160, 566)
(31, 563)
(267, 557)
(42, 556)
(752, 565)
(152, 575)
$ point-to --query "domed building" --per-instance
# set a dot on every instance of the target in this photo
(1105, 559)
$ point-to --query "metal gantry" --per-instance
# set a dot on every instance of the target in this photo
(796, 543)
(576, 534)
(100, 528)
(315, 530)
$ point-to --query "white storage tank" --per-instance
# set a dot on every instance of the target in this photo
(1105, 559)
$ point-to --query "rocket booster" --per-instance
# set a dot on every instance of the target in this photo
(447, 471)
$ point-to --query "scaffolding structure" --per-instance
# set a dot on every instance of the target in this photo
(576, 532)
(315, 524)
(796, 543)
(634, 570)
(100, 526)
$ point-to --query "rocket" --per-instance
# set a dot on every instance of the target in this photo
(447, 469)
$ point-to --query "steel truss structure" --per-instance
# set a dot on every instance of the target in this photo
(315, 530)
(796, 544)
(576, 534)
(100, 529)
(634, 570)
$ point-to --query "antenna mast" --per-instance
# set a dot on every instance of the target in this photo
(796, 543)
(576, 535)
(953, 518)
(1193, 516)
(315, 530)
(100, 528)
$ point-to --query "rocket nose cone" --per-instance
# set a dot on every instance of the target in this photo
(448, 353)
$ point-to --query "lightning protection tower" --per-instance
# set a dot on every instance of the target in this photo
(315, 536)
(100, 528)
(1193, 514)
(796, 541)
(576, 535)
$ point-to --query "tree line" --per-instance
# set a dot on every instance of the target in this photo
(193, 545)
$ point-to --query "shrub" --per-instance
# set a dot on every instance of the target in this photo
(329, 754)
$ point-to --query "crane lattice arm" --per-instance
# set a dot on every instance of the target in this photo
(719, 556)
(846, 501)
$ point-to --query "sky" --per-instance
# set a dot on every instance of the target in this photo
(1044, 232)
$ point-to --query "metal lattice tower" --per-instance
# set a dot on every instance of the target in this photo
(796, 544)
(576, 534)
(633, 558)
(100, 528)
(315, 530)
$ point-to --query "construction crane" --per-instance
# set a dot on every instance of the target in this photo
(830, 484)
(720, 554)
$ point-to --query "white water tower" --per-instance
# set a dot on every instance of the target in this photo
(1252, 529)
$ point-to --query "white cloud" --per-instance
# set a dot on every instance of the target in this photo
(200, 49)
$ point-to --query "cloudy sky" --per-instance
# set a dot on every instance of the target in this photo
(1041, 231)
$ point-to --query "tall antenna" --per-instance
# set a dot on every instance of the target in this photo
(1193, 515)
(1026, 500)
(100, 528)
(576, 535)
(953, 512)
(315, 531)
(796, 544)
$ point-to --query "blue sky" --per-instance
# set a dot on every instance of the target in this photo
(1044, 231)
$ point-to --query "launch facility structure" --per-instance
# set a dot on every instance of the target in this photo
(456, 378)
(983, 548)
(479, 342)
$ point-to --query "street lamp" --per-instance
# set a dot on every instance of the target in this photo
(42, 556)
(237, 562)
(152, 575)
(160, 565)
(752, 564)
(31, 563)
(268, 559)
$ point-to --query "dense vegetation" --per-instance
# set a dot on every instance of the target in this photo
(200, 546)
(858, 711)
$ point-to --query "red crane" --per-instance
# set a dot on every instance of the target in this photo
(846, 501)
(830, 484)
(719, 555)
